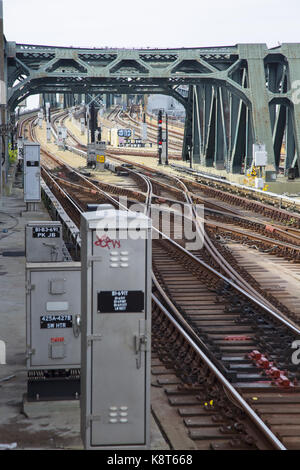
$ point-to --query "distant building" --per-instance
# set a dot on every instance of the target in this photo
(171, 106)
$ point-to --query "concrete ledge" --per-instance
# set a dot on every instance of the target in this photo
(36, 409)
(33, 214)
(281, 186)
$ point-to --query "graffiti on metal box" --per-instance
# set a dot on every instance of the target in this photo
(106, 242)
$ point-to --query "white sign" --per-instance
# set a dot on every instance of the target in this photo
(260, 155)
(144, 131)
(2, 92)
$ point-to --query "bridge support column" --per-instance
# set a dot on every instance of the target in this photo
(50, 98)
(196, 125)
(221, 142)
(292, 53)
(236, 137)
(207, 124)
(68, 100)
(188, 128)
(254, 55)
(290, 148)
(208, 127)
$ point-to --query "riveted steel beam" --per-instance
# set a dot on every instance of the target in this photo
(238, 94)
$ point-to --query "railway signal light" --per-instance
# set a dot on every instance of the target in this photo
(162, 140)
(166, 141)
(159, 136)
(159, 117)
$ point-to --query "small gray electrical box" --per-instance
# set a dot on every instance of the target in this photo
(260, 156)
(53, 315)
(43, 242)
(91, 155)
(32, 172)
(100, 148)
(96, 155)
(116, 330)
(270, 176)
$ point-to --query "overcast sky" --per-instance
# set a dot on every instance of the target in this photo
(153, 23)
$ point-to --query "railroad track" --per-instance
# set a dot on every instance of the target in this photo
(176, 133)
(230, 326)
(238, 337)
(175, 138)
(222, 200)
(225, 200)
(213, 189)
(200, 397)
(275, 239)
(266, 241)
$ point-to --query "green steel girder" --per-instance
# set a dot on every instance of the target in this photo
(237, 95)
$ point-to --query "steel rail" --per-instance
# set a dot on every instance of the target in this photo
(176, 146)
(246, 407)
(253, 297)
(237, 282)
(192, 339)
(258, 302)
(219, 259)
(250, 412)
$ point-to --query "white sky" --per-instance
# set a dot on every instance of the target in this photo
(156, 23)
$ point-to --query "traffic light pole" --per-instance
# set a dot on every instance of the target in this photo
(167, 140)
(159, 156)
(92, 122)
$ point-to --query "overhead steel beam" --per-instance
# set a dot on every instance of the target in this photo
(237, 96)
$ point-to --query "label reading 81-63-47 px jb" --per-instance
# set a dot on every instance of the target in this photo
(45, 232)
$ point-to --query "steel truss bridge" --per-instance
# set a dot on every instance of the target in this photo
(237, 95)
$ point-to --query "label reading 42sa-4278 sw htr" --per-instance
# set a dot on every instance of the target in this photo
(56, 321)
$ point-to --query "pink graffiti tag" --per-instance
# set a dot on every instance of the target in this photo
(106, 242)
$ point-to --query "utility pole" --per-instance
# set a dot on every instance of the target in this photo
(193, 131)
(92, 123)
(144, 128)
(159, 136)
(87, 122)
(167, 140)
(145, 104)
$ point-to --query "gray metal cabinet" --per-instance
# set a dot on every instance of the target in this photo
(116, 331)
(32, 172)
(52, 310)
(44, 242)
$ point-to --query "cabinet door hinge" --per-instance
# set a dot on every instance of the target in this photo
(29, 352)
(91, 338)
(29, 287)
(91, 418)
